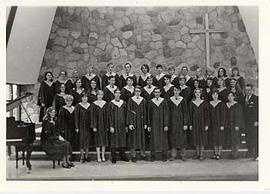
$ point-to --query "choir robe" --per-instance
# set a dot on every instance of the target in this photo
(105, 80)
(68, 84)
(178, 118)
(175, 80)
(167, 91)
(117, 120)
(227, 81)
(251, 115)
(86, 81)
(77, 97)
(136, 116)
(189, 82)
(127, 93)
(109, 93)
(46, 95)
(158, 80)
(100, 122)
(123, 78)
(186, 93)
(158, 118)
(240, 82)
(50, 143)
(223, 94)
(234, 118)
(239, 97)
(207, 93)
(217, 119)
(59, 101)
(199, 118)
(66, 123)
(148, 93)
(83, 123)
(202, 82)
(92, 96)
(142, 79)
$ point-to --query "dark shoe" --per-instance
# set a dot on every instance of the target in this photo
(88, 159)
(114, 160)
(152, 158)
(196, 157)
(125, 159)
(214, 156)
(164, 158)
(217, 157)
(71, 164)
(65, 165)
(143, 158)
(133, 159)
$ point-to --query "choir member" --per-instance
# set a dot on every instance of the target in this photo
(86, 79)
(189, 79)
(186, 92)
(83, 123)
(92, 92)
(233, 123)
(174, 77)
(167, 89)
(239, 79)
(209, 89)
(109, 89)
(110, 72)
(148, 90)
(159, 78)
(217, 113)
(158, 120)
(46, 94)
(200, 77)
(59, 99)
(222, 90)
(234, 88)
(78, 91)
(222, 74)
(137, 123)
(75, 77)
(145, 74)
(178, 123)
(199, 123)
(127, 91)
(54, 145)
(117, 122)
(251, 115)
(62, 79)
(127, 73)
(100, 125)
(209, 74)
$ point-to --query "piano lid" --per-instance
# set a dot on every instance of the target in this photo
(16, 102)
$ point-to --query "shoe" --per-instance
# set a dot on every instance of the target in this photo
(99, 160)
(65, 165)
(114, 160)
(214, 156)
(133, 159)
(71, 164)
(143, 158)
(152, 158)
(125, 159)
(88, 159)
(164, 158)
(217, 157)
(196, 157)
(103, 160)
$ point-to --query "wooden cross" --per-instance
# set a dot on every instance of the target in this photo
(207, 32)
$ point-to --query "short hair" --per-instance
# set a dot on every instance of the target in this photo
(233, 79)
(171, 68)
(215, 91)
(157, 89)
(61, 85)
(249, 85)
(137, 87)
(46, 73)
(100, 92)
(145, 66)
(110, 77)
(128, 63)
(77, 81)
(48, 111)
(109, 64)
(224, 70)
(63, 71)
(159, 66)
(185, 66)
(69, 97)
(84, 94)
(234, 95)
(117, 90)
(197, 89)
(176, 87)
(235, 69)
(129, 78)
(149, 77)
(182, 78)
(209, 78)
(167, 76)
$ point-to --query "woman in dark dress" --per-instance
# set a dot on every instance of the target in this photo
(127, 73)
(217, 112)
(186, 92)
(239, 79)
(100, 125)
(222, 90)
(199, 123)
(109, 90)
(63, 80)
(59, 99)
(110, 72)
(92, 92)
(46, 94)
(82, 123)
(86, 79)
(239, 95)
(221, 74)
(233, 124)
(148, 90)
(209, 89)
(200, 77)
(78, 92)
(127, 91)
(54, 145)
(66, 122)
(167, 90)
(145, 73)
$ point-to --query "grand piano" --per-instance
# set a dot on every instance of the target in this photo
(20, 134)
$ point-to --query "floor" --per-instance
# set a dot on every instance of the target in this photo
(225, 169)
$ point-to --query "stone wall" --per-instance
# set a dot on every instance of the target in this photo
(152, 35)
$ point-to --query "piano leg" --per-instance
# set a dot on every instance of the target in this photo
(17, 155)
(23, 155)
(28, 157)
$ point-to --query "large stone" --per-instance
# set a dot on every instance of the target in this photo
(241, 26)
(127, 27)
(92, 41)
(127, 34)
(83, 39)
(78, 50)
(186, 38)
(60, 41)
(139, 54)
(75, 34)
(144, 19)
(196, 52)
(68, 49)
(54, 27)
(102, 45)
(84, 45)
(152, 13)
(184, 30)
(166, 16)
(195, 38)
(118, 23)
(177, 36)
(131, 47)
(97, 52)
(177, 51)
(181, 44)
(105, 57)
(115, 53)
(151, 55)
(116, 42)
(156, 37)
(109, 48)
(72, 65)
(126, 20)
(171, 43)
(191, 45)
(166, 51)
(74, 57)
(123, 52)
(93, 35)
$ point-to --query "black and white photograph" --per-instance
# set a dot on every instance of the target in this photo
(132, 93)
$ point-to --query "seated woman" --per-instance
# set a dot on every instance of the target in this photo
(54, 145)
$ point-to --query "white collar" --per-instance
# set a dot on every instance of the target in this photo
(129, 75)
(222, 89)
(149, 90)
(229, 106)
(157, 102)
(183, 87)
(144, 77)
(197, 104)
(187, 77)
(82, 89)
(118, 104)
(173, 77)
(90, 77)
(131, 90)
(70, 110)
(61, 95)
(64, 82)
(137, 100)
(49, 83)
(159, 76)
(112, 74)
(100, 103)
(86, 106)
(178, 101)
(111, 89)
(166, 88)
(214, 105)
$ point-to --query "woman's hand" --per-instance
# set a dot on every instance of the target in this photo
(149, 129)
(185, 127)
(95, 129)
(61, 138)
(206, 128)
(77, 130)
(111, 129)
(131, 127)
(166, 128)
(236, 128)
(221, 128)
(190, 127)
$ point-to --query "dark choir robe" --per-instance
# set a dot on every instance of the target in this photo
(142, 79)
(46, 95)
(158, 118)
(77, 96)
(223, 94)
(127, 93)
(167, 91)
(199, 118)
(148, 92)
(226, 80)
(175, 80)
(92, 96)
(83, 123)
(123, 78)
(66, 123)
(202, 82)
(239, 95)
(68, 84)
(105, 80)
(251, 115)
(217, 113)
(240, 81)
(100, 122)
(86, 81)
(178, 118)
(189, 82)
(186, 93)
(50, 143)
(136, 116)
(117, 120)
(59, 101)
(109, 93)
(158, 80)
(234, 118)
(207, 93)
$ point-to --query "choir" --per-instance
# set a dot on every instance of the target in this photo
(161, 113)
